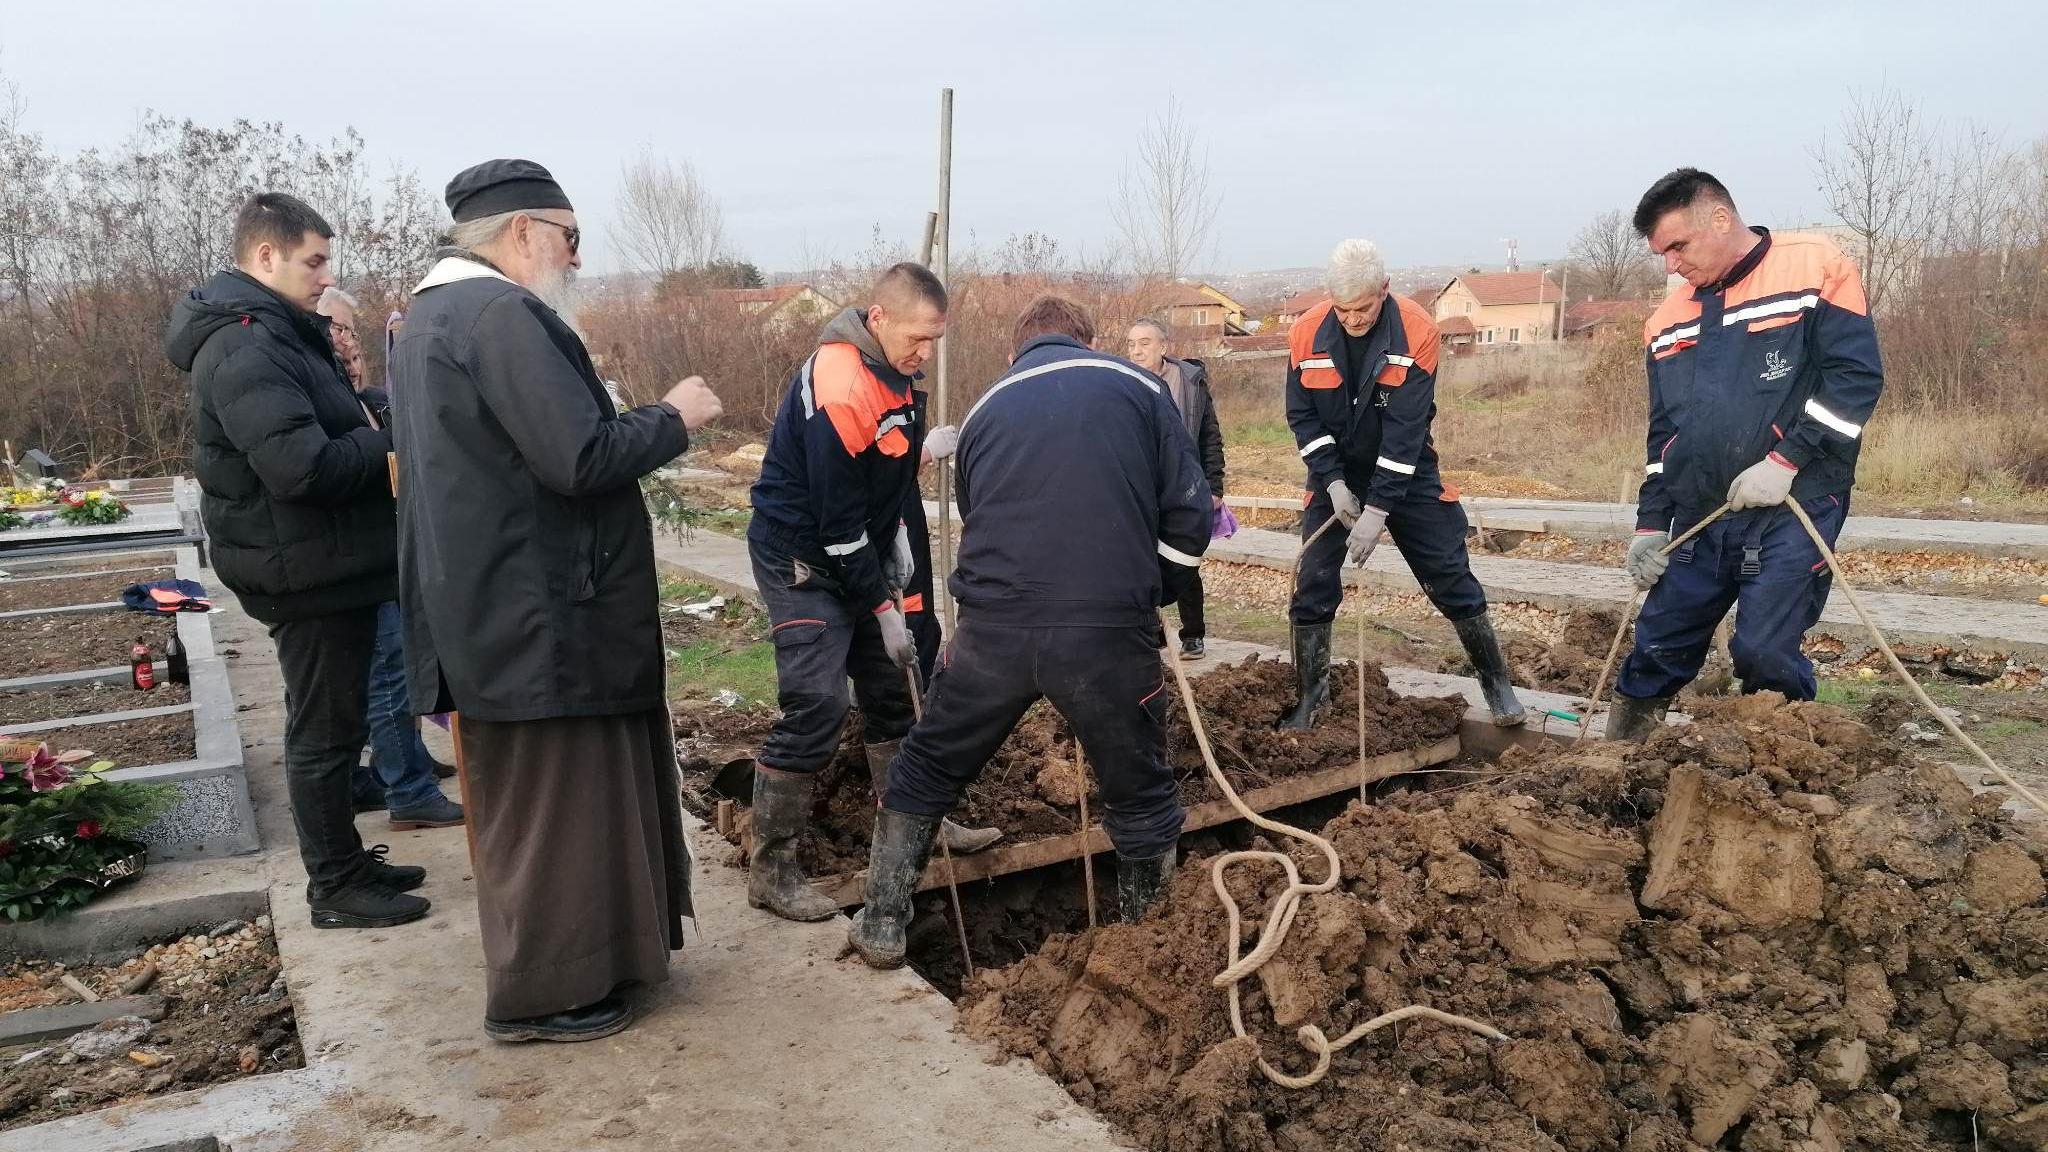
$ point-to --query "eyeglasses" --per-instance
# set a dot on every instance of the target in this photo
(573, 235)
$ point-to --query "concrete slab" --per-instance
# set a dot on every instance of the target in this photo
(62, 610)
(98, 718)
(303, 1111)
(25, 1026)
(1863, 533)
(167, 900)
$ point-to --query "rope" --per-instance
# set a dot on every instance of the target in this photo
(1635, 603)
(1877, 635)
(1280, 919)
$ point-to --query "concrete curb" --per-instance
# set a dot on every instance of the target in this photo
(107, 928)
(62, 610)
(97, 718)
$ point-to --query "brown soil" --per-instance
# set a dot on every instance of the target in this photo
(75, 642)
(89, 563)
(1929, 572)
(1767, 930)
(16, 595)
(31, 705)
(131, 743)
(227, 1016)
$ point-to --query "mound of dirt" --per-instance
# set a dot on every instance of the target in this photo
(1764, 931)
(1029, 787)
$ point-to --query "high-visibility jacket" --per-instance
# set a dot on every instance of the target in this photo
(1780, 359)
(840, 472)
(1373, 433)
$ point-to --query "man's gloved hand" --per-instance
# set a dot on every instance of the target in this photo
(896, 639)
(899, 565)
(940, 442)
(1365, 535)
(1763, 484)
(1343, 503)
(1646, 559)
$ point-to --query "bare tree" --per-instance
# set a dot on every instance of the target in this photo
(1164, 210)
(1880, 178)
(667, 220)
(1611, 258)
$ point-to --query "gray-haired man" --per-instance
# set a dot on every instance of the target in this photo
(1149, 344)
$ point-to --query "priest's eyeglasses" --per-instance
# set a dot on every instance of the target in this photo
(573, 235)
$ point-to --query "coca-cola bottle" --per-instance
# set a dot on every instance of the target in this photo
(141, 668)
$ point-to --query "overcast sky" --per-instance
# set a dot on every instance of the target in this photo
(1437, 130)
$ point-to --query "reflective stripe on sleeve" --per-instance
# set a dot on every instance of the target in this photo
(1815, 410)
(1395, 466)
(847, 549)
(1317, 362)
(1178, 556)
(1776, 308)
(1318, 442)
(1403, 361)
(1656, 469)
(1689, 332)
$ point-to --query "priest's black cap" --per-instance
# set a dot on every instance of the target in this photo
(496, 186)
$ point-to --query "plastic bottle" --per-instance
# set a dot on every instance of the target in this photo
(141, 669)
(176, 670)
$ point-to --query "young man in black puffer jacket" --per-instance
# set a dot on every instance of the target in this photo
(298, 509)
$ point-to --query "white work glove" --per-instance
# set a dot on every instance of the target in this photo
(896, 639)
(1763, 484)
(900, 564)
(940, 442)
(1646, 559)
(1343, 503)
(1365, 535)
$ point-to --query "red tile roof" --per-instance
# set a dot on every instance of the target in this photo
(1592, 313)
(1493, 289)
(1456, 326)
(1426, 295)
(1303, 301)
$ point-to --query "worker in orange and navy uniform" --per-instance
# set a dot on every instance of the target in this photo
(1763, 371)
(1361, 395)
(837, 539)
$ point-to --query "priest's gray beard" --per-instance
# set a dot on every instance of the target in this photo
(557, 289)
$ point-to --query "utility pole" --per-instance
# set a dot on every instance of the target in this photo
(942, 252)
(1564, 299)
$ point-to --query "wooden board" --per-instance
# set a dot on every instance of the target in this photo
(1007, 858)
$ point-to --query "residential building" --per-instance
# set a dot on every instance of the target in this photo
(1503, 307)
(1590, 318)
(1294, 306)
(779, 306)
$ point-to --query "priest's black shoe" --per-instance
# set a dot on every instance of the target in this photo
(590, 1022)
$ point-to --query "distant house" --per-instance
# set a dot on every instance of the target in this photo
(1296, 305)
(1590, 318)
(779, 306)
(1191, 307)
(1456, 333)
(1426, 296)
(1503, 307)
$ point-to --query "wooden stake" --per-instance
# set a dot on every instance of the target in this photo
(1087, 858)
(942, 252)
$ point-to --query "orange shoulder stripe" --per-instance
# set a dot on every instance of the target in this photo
(845, 390)
(1421, 330)
(1301, 338)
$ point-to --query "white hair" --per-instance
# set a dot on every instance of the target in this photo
(474, 234)
(1355, 270)
(333, 296)
(1165, 333)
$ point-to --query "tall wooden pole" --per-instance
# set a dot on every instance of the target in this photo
(942, 257)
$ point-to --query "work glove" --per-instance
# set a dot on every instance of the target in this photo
(899, 565)
(896, 639)
(1763, 484)
(1365, 535)
(1646, 559)
(940, 442)
(1343, 503)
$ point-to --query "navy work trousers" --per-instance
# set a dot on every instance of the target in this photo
(1762, 562)
(1431, 536)
(1107, 682)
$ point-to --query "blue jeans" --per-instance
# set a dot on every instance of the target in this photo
(399, 763)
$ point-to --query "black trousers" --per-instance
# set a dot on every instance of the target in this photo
(821, 641)
(1107, 682)
(1431, 536)
(326, 665)
(1190, 604)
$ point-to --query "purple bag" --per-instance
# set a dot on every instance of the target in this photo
(1225, 523)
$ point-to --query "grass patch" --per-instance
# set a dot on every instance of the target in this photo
(2006, 729)
(1264, 433)
(705, 667)
(1853, 695)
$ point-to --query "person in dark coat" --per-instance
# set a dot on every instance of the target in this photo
(526, 572)
(1148, 345)
(296, 498)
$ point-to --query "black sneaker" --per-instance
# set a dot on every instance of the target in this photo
(607, 1017)
(397, 877)
(367, 904)
(1192, 648)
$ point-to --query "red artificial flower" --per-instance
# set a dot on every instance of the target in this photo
(46, 772)
(87, 829)
(74, 497)
(6, 849)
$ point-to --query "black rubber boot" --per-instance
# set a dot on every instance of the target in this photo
(1140, 883)
(896, 858)
(367, 904)
(397, 877)
(1312, 671)
(1483, 647)
(775, 881)
(1631, 719)
(607, 1017)
(961, 841)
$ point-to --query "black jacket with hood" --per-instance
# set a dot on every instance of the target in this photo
(1198, 415)
(527, 558)
(295, 489)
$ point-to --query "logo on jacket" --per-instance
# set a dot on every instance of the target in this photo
(1776, 367)
(1382, 399)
